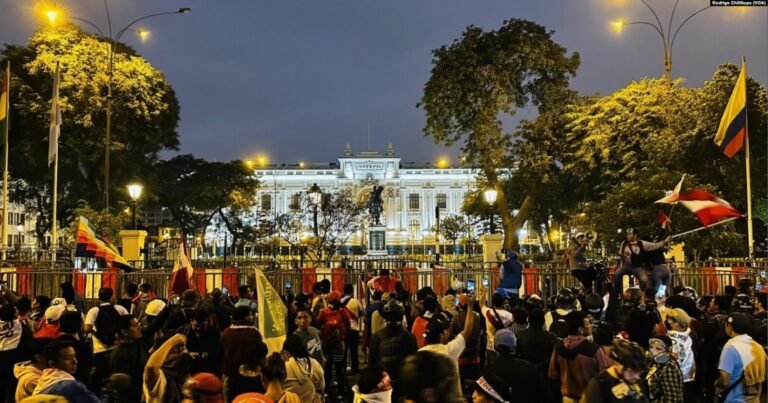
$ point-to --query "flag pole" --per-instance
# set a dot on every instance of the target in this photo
(54, 225)
(53, 136)
(750, 238)
(704, 227)
(6, 130)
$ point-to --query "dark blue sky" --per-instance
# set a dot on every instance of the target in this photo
(298, 79)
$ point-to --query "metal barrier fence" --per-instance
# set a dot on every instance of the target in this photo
(543, 279)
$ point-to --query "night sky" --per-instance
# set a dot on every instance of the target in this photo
(298, 79)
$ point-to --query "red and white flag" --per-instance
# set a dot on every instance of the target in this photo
(182, 278)
(673, 197)
(709, 208)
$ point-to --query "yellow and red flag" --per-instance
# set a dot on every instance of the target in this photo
(182, 276)
(733, 125)
(91, 245)
(5, 89)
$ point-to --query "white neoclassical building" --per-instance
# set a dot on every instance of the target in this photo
(411, 195)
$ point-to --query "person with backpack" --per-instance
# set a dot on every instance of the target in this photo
(392, 344)
(623, 381)
(100, 323)
(554, 321)
(420, 323)
(742, 363)
(633, 258)
(665, 380)
(334, 325)
(496, 318)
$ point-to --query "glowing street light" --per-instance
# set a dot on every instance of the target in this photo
(490, 195)
(143, 34)
(134, 190)
(52, 14)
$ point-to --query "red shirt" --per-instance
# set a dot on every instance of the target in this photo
(419, 327)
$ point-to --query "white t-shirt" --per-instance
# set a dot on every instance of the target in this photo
(90, 319)
(682, 344)
(506, 319)
(452, 350)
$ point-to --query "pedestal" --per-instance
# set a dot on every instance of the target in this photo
(377, 240)
(491, 247)
(133, 243)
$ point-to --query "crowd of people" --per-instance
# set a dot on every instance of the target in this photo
(388, 346)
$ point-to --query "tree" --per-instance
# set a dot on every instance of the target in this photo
(339, 217)
(454, 228)
(144, 120)
(484, 75)
(632, 145)
(195, 190)
(106, 224)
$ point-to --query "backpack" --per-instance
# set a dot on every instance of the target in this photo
(334, 330)
(496, 320)
(558, 327)
(392, 352)
(105, 325)
(637, 259)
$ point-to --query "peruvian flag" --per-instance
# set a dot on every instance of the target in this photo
(708, 208)
(182, 275)
(673, 197)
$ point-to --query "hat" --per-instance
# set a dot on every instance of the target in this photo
(663, 339)
(53, 313)
(208, 385)
(679, 316)
(59, 301)
(334, 297)
(494, 386)
(448, 301)
(252, 398)
(154, 307)
(739, 321)
(511, 255)
(504, 340)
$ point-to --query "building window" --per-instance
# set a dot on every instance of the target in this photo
(10, 239)
(266, 202)
(442, 200)
(413, 201)
(295, 202)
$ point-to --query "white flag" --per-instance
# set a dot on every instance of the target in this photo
(55, 128)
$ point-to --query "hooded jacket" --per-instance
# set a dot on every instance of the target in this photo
(57, 382)
(28, 376)
(511, 273)
(307, 382)
(574, 362)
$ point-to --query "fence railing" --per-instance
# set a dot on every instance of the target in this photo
(544, 279)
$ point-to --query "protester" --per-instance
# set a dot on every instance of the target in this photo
(373, 386)
(129, 355)
(391, 345)
(665, 380)
(248, 376)
(58, 378)
(274, 374)
(496, 318)
(684, 347)
(633, 259)
(427, 376)
(355, 311)
(334, 324)
(623, 381)
(235, 340)
(28, 373)
(166, 371)
(305, 375)
(742, 363)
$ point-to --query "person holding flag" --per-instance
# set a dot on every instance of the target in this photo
(660, 273)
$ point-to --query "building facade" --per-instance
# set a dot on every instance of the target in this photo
(412, 192)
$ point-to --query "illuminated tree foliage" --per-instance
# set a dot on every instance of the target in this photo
(144, 120)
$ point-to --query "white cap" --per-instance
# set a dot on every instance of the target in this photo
(53, 313)
(59, 301)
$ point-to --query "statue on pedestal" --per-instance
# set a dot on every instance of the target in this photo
(375, 204)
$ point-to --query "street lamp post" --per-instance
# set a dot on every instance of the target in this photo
(134, 190)
(667, 36)
(490, 197)
(315, 197)
(113, 39)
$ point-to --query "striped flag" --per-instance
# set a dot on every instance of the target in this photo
(733, 125)
(55, 128)
(709, 208)
(182, 276)
(91, 245)
(272, 314)
(673, 197)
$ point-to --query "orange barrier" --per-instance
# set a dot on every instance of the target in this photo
(109, 279)
(25, 286)
(78, 281)
(230, 278)
(710, 281)
(338, 279)
(199, 277)
(410, 279)
(495, 278)
(531, 275)
(308, 279)
(442, 280)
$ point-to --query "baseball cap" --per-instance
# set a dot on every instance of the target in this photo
(494, 386)
(59, 301)
(334, 297)
(53, 313)
(504, 341)
(154, 307)
(208, 385)
(739, 321)
(679, 316)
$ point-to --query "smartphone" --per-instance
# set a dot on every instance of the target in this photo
(225, 290)
(288, 285)
(758, 287)
(485, 282)
(471, 286)
(661, 291)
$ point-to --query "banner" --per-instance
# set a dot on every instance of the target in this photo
(272, 314)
